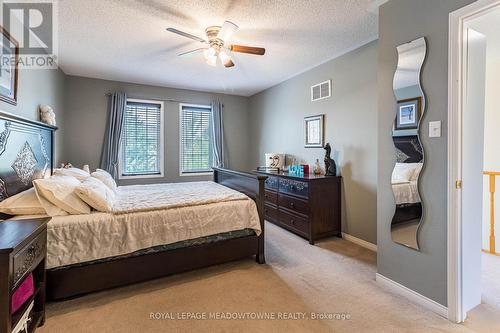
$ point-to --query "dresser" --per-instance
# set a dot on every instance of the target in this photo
(23, 247)
(308, 205)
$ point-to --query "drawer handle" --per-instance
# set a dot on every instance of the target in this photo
(292, 205)
(293, 221)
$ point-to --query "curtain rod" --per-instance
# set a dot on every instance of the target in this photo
(159, 99)
(155, 99)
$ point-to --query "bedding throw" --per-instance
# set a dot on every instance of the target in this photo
(142, 198)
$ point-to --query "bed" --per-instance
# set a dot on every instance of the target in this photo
(97, 251)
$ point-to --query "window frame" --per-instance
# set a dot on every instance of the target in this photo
(181, 151)
(162, 143)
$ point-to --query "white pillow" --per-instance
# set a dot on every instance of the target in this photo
(106, 178)
(60, 192)
(24, 203)
(74, 172)
(402, 172)
(96, 194)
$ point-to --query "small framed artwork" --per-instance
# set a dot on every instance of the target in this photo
(9, 57)
(314, 131)
(408, 113)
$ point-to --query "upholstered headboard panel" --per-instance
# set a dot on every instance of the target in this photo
(408, 149)
(26, 153)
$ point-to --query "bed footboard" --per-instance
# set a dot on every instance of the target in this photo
(253, 186)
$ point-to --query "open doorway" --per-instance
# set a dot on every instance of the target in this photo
(474, 166)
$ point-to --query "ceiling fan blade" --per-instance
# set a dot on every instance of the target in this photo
(248, 49)
(192, 52)
(185, 34)
(227, 30)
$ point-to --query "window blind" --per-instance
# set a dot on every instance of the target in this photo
(141, 139)
(196, 143)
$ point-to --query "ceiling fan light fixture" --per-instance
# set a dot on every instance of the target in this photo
(227, 30)
(225, 59)
(210, 56)
(209, 53)
(212, 61)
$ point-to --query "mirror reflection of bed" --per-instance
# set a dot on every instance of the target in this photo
(408, 148)
(408, 205)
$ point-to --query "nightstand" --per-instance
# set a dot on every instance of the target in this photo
(23, 247)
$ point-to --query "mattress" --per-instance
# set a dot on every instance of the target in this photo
(406, 192)
(164, 214)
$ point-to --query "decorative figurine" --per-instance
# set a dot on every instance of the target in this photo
(330, 166)
(317, 168)
(47, 115)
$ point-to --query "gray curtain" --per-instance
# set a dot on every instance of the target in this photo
(218, 134)
(112, 138)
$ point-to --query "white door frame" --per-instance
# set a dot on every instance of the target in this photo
(456, 71)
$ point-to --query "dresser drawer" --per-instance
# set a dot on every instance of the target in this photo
(294, 222)
(270, 213)
(271, 183)
(30, 256)
(271, 197)
(294, 204)
(295, 187)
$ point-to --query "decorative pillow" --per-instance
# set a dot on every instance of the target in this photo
(106, 178)
(96, 194)
(24, 203)
(60, 192)
(79, 174)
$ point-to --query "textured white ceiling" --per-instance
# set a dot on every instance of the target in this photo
(126, 40)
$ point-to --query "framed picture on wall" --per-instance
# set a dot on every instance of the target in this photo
(9, 57)
(408, 114)
(314, 131)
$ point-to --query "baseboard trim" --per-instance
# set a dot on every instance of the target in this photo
(360, 242)
(413, 296)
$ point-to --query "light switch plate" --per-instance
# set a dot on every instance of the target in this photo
(434, 129)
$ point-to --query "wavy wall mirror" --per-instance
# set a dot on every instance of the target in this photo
(406, 136)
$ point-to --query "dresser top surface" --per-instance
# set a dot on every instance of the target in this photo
(306, 177)
(13, 234)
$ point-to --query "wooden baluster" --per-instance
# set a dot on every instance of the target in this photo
(492, 214)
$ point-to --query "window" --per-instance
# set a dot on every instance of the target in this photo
(195, 139)
(142, 140)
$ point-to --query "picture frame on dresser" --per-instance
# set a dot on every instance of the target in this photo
(9, 76)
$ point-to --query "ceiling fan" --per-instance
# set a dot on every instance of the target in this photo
(217, 44)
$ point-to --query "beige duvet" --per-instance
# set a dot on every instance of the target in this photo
(149, 215)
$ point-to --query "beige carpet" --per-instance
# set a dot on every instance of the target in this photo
(334, 277)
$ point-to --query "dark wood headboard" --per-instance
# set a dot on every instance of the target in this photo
(408, 149)
(26, 153)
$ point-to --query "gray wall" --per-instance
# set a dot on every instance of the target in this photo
(85, 121)
(40, 86)
(277, 121)
(401, 21)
